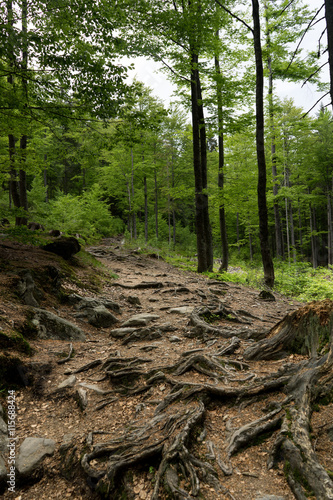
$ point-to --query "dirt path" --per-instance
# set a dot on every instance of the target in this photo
(136, 389)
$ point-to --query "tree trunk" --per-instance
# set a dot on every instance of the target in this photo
(329, 27)
(223, 228)
(132, 189)
(203, 228)
(156, 205)
(262, 202)
(277, 219)
(314, 249)
(146, 207)
(329, 229)
(292, 232)
(237, 232)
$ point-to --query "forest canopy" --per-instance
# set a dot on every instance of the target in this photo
(85, 151)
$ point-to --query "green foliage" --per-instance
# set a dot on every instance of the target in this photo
(87, 215)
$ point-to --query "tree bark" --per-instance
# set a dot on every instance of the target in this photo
(262, 201)
(329, 27)
(203, 228)
(277, 219)
(223, 228)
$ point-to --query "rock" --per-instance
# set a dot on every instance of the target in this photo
(66, 247)
(67, 442)
(132, 299)
(174, 338)
(51, 326)
(269, 497)
(69, 382)
(31, 453)
(139, 320)
(98, 316)
(95, 388)
(3, 471)
(181, 310)
(27, 289)
(90, 302)
(81, 397)
(268, 296)
(121, 332)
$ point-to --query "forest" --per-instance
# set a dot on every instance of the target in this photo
(228, 170)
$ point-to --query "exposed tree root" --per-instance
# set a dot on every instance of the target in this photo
(202, 321)
(305, 331)
(167, 437)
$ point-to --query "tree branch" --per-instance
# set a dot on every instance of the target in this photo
(322, 97)
(234, 16)
(302, 37)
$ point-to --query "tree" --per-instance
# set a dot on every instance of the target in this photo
(71, 72)
(262, 202)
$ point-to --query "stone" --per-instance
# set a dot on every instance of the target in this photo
(269, 497)
(95, 388)
(91, 302)
(64, 246)
(98, 316)
(29, 293)
(69, 382)
(67, 442)
(121, 332)
(140, 320)
(51, 326)
(133, 300)
(181, 310)
(31, 453)
(174, 338)
(81, 396)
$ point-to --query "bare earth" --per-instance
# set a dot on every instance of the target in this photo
(45, 412)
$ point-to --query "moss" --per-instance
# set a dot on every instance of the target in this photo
(16, 341)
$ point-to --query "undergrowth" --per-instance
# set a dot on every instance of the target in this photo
(296, 281)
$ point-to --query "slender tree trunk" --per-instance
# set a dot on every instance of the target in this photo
(292, 232)
(132, 189)
(156, 194)
(130, 220)
(262, 202)
(329, 229)
(24, 138)
(277, 218)
(203, 228)
(314, 252)
(146, 207)
(156, 205)
(223, 228)
(287, 229)
(237, 232)
(250, 239)
(172, 199)
(300, 232)
(13, 182)
(329, 27)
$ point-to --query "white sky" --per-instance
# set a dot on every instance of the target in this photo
(147, 71)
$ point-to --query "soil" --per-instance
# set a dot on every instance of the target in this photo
(42, 411)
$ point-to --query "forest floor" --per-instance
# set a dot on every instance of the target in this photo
(147, 284)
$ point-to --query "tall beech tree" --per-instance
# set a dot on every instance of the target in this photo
(260, 142)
